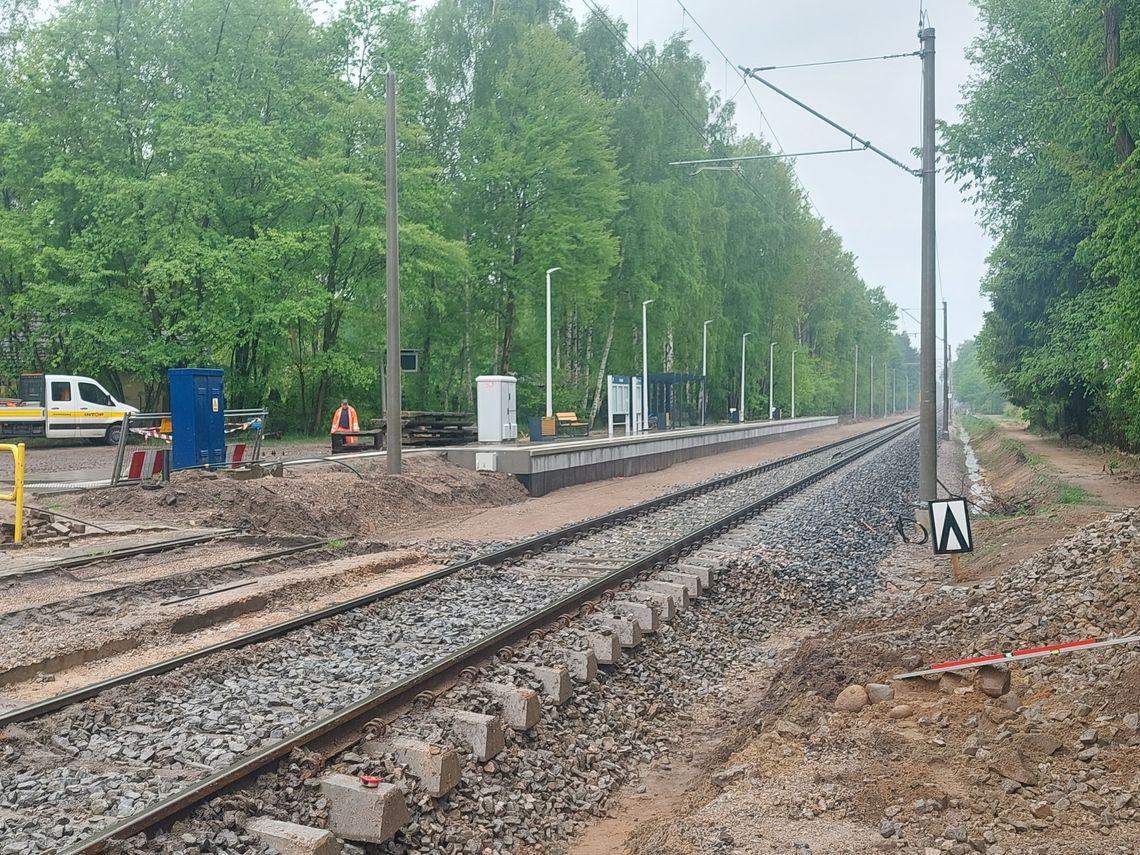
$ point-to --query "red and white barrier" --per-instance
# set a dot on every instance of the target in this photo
(235, 454)
(146, 463)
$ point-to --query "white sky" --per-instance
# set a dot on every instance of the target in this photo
(871, 204)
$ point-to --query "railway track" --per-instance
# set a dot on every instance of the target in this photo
(475, 609)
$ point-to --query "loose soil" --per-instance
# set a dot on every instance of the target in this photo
(370, 505)
(771, 767)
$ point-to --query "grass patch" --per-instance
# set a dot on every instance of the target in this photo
(978, 427)
(336, 543)
(1070, 494)
(1017, 449)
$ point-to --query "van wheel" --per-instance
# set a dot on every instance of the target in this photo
(114, 433)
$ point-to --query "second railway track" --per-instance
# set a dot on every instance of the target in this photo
(362, 660)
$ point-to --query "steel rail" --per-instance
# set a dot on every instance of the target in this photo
(527, 548)
(115, 554)
(406, 690)
(240, 563)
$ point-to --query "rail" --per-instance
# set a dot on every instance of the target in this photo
(347, 723)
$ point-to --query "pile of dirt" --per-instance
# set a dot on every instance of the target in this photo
(309, 501)
(1044, 764)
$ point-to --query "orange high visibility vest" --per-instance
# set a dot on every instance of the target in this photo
(353, 424)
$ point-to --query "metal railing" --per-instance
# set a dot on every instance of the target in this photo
(159, 425)
(17, 494)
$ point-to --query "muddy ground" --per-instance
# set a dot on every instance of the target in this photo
(1048, 766)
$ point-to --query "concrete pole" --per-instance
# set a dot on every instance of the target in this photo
(743, 352)
(794, 383)
(771, 365)
(884, 390)
(928, 415)
(871, 389)
(705, 372)
(945, 374)
(393, 425)
(894, 402)
(549, 382)
(644, 368)
(855, 393)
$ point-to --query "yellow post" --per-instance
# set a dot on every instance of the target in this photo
(17, 493)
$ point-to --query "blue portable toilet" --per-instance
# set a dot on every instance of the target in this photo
(197, 415)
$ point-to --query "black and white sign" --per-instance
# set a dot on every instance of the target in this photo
(950, 526)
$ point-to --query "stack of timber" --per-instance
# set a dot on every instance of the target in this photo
(432, 429)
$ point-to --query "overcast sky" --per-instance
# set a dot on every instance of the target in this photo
(872, 205)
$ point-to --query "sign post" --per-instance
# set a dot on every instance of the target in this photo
(951, 533)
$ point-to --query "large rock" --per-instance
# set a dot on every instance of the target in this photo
(1013, 765)
(852, 699)
(879, 693)
(993, 681)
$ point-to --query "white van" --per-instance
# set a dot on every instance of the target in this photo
(62, 406)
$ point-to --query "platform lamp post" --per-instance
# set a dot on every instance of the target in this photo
(644, 367)
(743, 351)
(705, 372)
(794, 352)
(549, 383)
(771, 365)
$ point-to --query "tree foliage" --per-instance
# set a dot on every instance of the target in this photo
(1046, 145)
(202, 183)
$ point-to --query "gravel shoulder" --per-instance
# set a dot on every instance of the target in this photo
(952, 765)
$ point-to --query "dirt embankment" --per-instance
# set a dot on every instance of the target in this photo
(1046, 765)
(307, 502)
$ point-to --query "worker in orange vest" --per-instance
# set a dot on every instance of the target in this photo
(344, 419)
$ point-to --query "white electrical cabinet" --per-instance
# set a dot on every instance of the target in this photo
(498, 408)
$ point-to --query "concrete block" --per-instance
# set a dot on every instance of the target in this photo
(520, 706)
(482, 734)
(436, 767)
(666, 608)
(364, 814)
(583, 664)
(288, 838)
(643, 613)
(555, 682)
(628, 630)
(705, 574)
(692, 583)
(679, 593)
(606, 647)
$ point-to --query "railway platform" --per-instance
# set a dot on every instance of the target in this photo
(547, 466)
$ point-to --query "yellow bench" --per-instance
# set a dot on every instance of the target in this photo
(572, 425)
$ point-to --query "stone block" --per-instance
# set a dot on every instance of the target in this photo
(643, 613)
(993, 681)
(364, 814)
(705, 574)
(520, 706)
(288, 838)
(482, 734)
(666, 608)
(679, 593)
(555, 682)
(436, 767)
(692, 583)
(583, 664)
(627, 630)
(606, 647)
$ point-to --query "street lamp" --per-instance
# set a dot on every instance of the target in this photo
(705, 372)
(771, 403)
(549, 384)
(644, 368)
(743, 351)
(794, 352)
